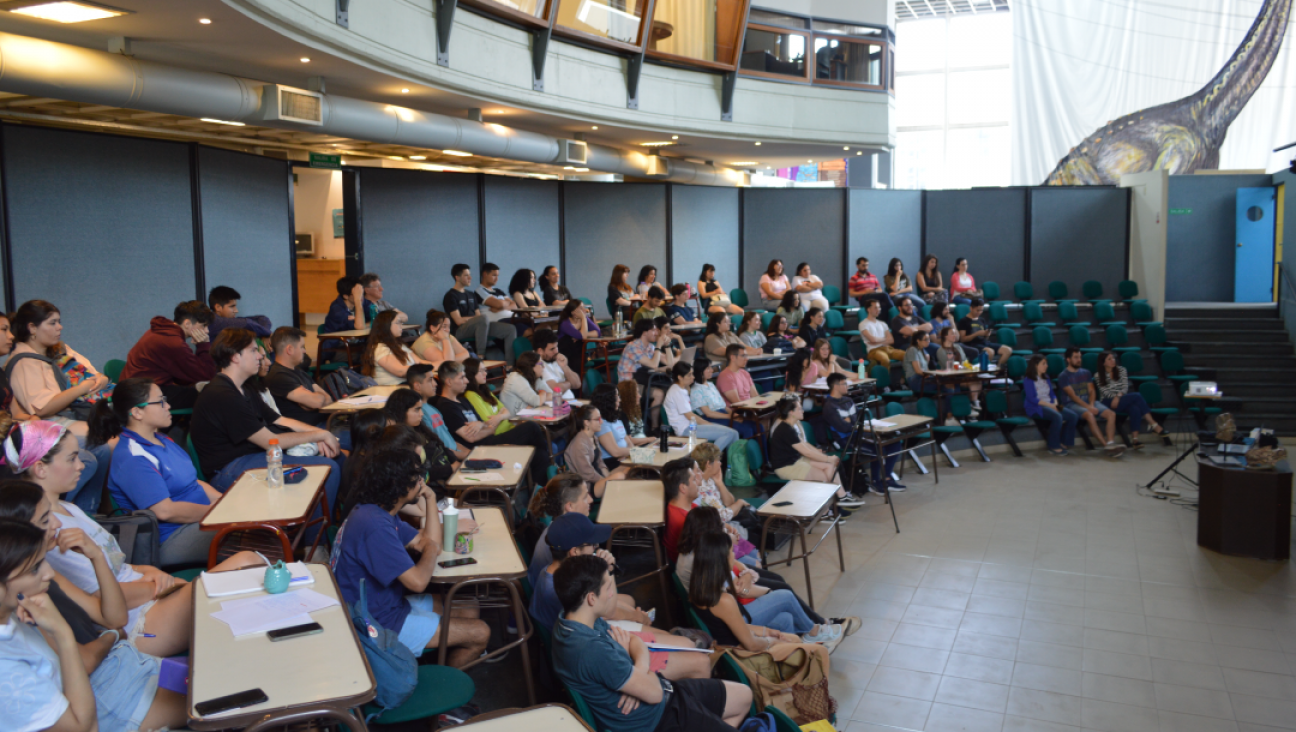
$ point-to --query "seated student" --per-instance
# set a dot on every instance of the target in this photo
(824, 361)
(471, 430)
(575, 322)
(51, 381)
(706, 400)
(975, 331)
(566, 492)
(558, 376)
(647, 279)
(773, 285)
(941, 317)
(712, 491)
(897, 284)
(864, 286)
(792, 458)
(613, 670)
(521, 384)
(482, 398)
(554, 293)
(1113, 388)
(1040, 402)
(1080, 397)
(652, 307)
(642, 356)
(150, 471)
(780, 338)
(840, 414)
(463, 305)
(163, 354)
(522, 288)
(754, 622)
(232, 426)
(948, 354)
(619, 292)
(963, 289)
(367, 426)
(907, 324)
(711, 295)
(496, 304)
(877, 337)
(668, 340)
(224, 304)
(679, 411)
(437, 344)
(734, 382)
(790, 308)
(749, 331)
(582, 455)
(720, 335)
(373, 293)
(342, 313)
(613, 435)
(295, 393)
(809, 288)
(812, 326)
(930, 285)
(917, 363)
(422, 379)
(47, 687)
(386, 358)
(678, 311)
(405, 407)
(631, 401)
(374, 546)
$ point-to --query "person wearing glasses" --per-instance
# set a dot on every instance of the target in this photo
(150, 471)
(373, 293)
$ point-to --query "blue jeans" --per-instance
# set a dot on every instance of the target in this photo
(960, 300)
(231, 472)
(1062, 427)
(746, 430)
(1133, 405)
(722, 436)
(89, 488)
(780, 610)
(882, 469)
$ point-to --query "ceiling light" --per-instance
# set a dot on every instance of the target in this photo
(578, 170)
(418, 157)
(746, 162)
(69, 11)
(404, 91)
(674, 137)
(457, 153)
(594, 127)
(859, 152)
(662, 143)
(305, 60)
(223, 122)
(758, 144)
(809, 161)
(205, 21)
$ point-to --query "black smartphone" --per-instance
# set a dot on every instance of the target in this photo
(458, 562)
(233, 701)
(294, 631)
(782, 503)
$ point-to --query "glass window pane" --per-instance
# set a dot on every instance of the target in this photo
(920, 159)
(920, 45)
(846, 29)
(980, 40)
(765, 17)
(920, 100)
(530, 7)
(774, 53)
(839, 60)
(700, 29)
(979, 96)
(978, 156)
(616, 20)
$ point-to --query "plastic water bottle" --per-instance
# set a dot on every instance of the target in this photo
(860, 370)
(985, 362)
(692, 437)
(274, 465)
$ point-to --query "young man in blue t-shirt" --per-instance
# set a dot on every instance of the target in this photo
(374, 546)
(1079, 396)
(610, 668)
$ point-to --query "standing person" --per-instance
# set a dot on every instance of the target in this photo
(583, 455)
(790, 308)
(877, 337)
(897, 284)
(373, 293)
(1040, 402)
(225, 310)
(558, 374)
(471, 430)
(749, 331)
(963, 289)
(647, 279)
(437, 344)
(619, 292)
(1080, 397)
(464, 308)
(795, 459)
(497, 304)
(840, 414)
(385, 357)
(51, 381)
(930, 285)
(296, 394)
(773, 284)
(975, 332)
(864, 286)
(1113, 389)
(679, 411)
(163, 353)
(711, 295)
(810, 288)
(554, 293)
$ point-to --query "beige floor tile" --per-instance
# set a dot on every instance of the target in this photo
(1190, 700)
(1120, 690)
(892, 711)
(1046, 706)
(948, 718)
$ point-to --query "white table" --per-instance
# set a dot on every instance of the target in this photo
(252, 504)
(809, 502)
(543, 718)
(380, 391)
(326, 671)
(495, 492)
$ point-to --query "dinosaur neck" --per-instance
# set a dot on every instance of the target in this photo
(1218, 103)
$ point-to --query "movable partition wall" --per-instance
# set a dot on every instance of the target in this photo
(794, 225)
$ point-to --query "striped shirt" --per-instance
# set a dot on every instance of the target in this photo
(1116, 387)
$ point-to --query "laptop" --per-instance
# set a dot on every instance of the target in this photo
(688, 354)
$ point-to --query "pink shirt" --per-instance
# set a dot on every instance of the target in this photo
(961, 282)
(738, 381)
(777, 285)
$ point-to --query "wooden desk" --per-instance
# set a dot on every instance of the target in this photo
(498, 562)
(906, 426)
(363, 332)
(543, 718)
(251, 504)
(494, 493)
(327, 671)
(638, 506)
(758, 409)
(383, 391)
(853, 383)
(660, 458)
(1244, 513)
(810, 502)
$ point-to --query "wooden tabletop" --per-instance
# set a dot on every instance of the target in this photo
(633, 502)
(382, 391)
(762, 401)
(544, 718)
(488, 365)
(361, 333)
(808, 499)
(902, 422)
(507, 454)
(851, 381)
(251, 499)
(493, 548)
(325, 668)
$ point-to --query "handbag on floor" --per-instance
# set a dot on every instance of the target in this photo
(790, 676)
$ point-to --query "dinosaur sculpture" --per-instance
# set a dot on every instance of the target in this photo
(1184, 135)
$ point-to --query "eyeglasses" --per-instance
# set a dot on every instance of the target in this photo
(161, 402)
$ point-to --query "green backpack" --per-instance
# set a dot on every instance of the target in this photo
(739, 472)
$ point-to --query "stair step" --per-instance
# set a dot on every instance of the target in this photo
(1227, 335)
(1224, 348)
(1228, 376)
(1224, 323)
(1260, 390)
(1221, 310)
(1192, 360)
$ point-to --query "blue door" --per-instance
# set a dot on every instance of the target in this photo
(1253, 274)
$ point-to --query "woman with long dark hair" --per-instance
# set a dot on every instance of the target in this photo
(897, 285)
(575, 322)
(931, 288)
(1040, 402)
(437, 343)
(963, 289)
(809, 288)
(582, 454)
(647, 278)
(712, 295)
(522, 288)
(525, 385)
(1113, 390)
(781, 337)
(619, 292)
(720, 335)
(614, 438)
(790, 309)
(773, 284)
(386, 358)
(482, 399)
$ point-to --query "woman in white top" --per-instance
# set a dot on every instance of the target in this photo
(160, 607)
(679, 411)
(437, 344)
(773, 284)
(519, 390)
(386, 359)
(810, 289)
(647, 278)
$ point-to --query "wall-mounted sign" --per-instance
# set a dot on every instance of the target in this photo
(326, 161)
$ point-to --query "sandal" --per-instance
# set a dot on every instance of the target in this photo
(1134, 443)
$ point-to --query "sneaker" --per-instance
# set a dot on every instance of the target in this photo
(850, 501)
(495, 659)
(876, 491)
(827, 632)
(896, 487)
(1115, 450)
(849, 624)
(974, 413)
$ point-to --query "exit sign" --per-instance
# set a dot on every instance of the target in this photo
(323, 160)
(1180, 211)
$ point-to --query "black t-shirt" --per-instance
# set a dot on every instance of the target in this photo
(223, 420)
(282, 380)
(615, 292)
(903, 342)
(457, 413)
(782, 452)
(966, 325)
(552, 294)
(811, 334)
(465, 303)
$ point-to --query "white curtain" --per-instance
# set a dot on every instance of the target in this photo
(1078, 64)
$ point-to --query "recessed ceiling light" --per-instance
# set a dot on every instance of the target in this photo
(578, 170)
(847, 147)
(809, 161)
(205, 21)
(305, 60)
(593, 127)
(68, 11)
(418, 157)
(662, 143)
(674, 137)
(859, 152)
(223, 122)
(457, 153)
(404, 91)
(746, 162)
(758, 144)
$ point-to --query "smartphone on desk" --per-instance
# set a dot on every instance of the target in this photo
(457, 562)
(294, 631)
(782, 503)
(233, 701)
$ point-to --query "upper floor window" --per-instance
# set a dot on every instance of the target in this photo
(810, 50)
(527, 12)
(847, 62)
(699, 30)
(770, 50)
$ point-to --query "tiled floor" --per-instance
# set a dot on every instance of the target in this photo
(1043, 593)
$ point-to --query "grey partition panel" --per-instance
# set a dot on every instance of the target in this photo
(246, 242)
(101, 226)
(794, 225)
(609, 224)
(1200, 241)
(416, 226)
(1079, 234)
(704, 230)
(522, 224)
(883, 225)
(988, 227)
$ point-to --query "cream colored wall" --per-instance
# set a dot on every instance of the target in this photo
(315, 196)
(1150, 204)
(877, 12)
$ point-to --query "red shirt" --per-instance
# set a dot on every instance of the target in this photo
(674, 526)
(162, 355)
(737, 381)
(866, 282)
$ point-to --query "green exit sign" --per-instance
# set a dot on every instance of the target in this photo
(323, 160)
(1180, 211)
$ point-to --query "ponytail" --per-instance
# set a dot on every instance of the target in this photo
(561, 489)
(110, 416)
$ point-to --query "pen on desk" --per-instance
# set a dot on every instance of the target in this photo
(475, 480)
(147, 635)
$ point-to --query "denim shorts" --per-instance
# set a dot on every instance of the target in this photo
(124, 686)
(1080, 411)
(420, 625)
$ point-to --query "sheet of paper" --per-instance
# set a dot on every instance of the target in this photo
(360, 401)
(537, 412)
(251, 619)
(673, 649)
(304, 600)
(488, 477)
(221, 584)
(881, 423)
